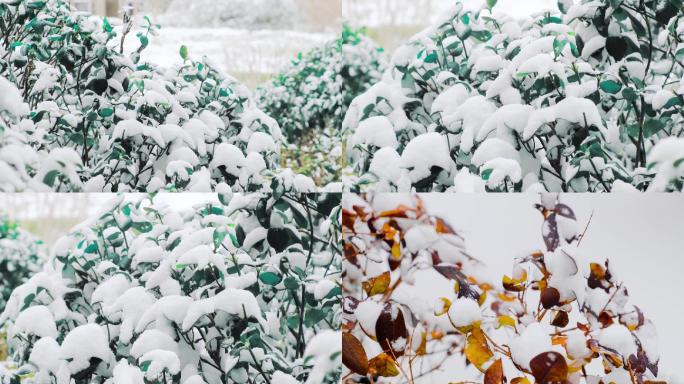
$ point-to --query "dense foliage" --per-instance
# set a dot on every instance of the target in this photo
(245, 291)
(99, 119)
(555, 320)
(310, 97)
(21, 255)
(585, 99)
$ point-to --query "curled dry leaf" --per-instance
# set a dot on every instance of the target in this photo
(353, 355)
(477, 350)
(494, 374)
(378, 284)
(549, 368)
(383, 365)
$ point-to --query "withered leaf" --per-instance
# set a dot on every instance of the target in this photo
(353, 355)
(494, 374)
(477, 349)
(441, 226)
(377, 285)
(561, 319)
(550, 297)
(549, 367)
(383, 365)
(565, 211)
(349, 304)
(550, 232)
(520, 380)
(390, 330)
(453, 273)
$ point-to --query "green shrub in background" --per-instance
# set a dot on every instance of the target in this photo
(21, 255)
(245, 291)
(98, 119)
(585, 99)
(309, 100)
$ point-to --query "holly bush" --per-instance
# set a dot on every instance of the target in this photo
(100, 119)
(242, 291)
(310, 97)
(554, 320)
(587, 98)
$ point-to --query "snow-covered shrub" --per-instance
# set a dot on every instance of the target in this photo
(556, 319)
(585, 99)
(21, 255)
(102, 120)
(245, 291)
(239, 14)
(310, 97)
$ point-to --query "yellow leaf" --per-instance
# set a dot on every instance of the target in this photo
(520, 380)
(477, 350)
(377, 285)
(396, 250)
(383, 365)
(505, 321)
(516, 285)
(442, 306)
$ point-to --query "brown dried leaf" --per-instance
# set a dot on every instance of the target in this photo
(353, 355)
(550, 297)
(561, 319)
(515, 285)
(549, 367)
(494, 374)
(390, 328)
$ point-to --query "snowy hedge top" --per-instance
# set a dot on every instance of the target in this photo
(238, 14)
(552, 321)
(21, 255)
(314, 91)
(101, 120)
(242, 291)
(588, 99)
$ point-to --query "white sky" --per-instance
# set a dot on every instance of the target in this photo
(641, 234)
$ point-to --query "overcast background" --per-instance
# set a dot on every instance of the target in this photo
(642, 235)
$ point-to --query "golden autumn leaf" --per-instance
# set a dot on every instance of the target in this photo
(353, 355)
(494, 374)
(396, 250)
(442, 306)
(442, 227)
(477, 349)
(383, 365)
(520, 380)
(505, 321)
(515, 285)
(377, 285)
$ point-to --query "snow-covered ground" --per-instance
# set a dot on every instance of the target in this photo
(640, 234)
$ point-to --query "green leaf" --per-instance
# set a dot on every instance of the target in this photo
(629, 94)
(91, 248)
(491, 3)
(611, 86)
(50, 177)
(143, 227)
(28, 300)
(219, 236)
(291, 283)
(431, 57)
(106, 112)
(184, 52)
(313, 316)
(270, 278)
(486, 173)
(652, 126)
